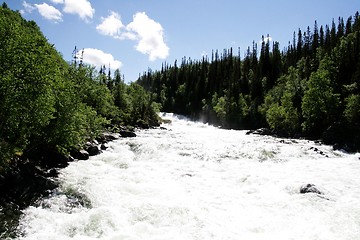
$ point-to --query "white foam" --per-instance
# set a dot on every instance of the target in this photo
(194, 181)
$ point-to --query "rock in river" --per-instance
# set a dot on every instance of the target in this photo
(309, 188)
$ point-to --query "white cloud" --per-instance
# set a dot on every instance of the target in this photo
(111, 25)
(82, 8)
(49, 12)
(148, 33)
(150, 36)
(99, 58)
(28, 8)
(57, 1)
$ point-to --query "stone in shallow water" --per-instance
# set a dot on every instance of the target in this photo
(309, 188)
(80, 155)
(93, 150)
(127, 134)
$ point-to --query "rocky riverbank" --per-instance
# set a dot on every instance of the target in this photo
(33, 176)
(339, 136)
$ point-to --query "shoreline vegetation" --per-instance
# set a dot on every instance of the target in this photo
(311, 89)
(47, 103)
(52, 110)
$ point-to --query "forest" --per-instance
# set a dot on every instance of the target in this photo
(309, 89)
(48, 103)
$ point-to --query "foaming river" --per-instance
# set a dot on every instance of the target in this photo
(194, 181)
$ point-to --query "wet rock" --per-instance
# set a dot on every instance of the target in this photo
(24, 183)
(52, 173)
(93, 150)
(319, 151)
(188, 175)
(309, 188)
(127, 134)
(47, 157)
(107, 137)
(261, 131)
(142, 124)
(166, 121)
(80, 154)
(103, 147)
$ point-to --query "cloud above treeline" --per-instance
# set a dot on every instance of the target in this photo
(111, 25)
(99, 58)
(148, 33)
(82, 8)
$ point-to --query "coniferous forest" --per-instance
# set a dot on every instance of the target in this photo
(311, 88)
(48, 104)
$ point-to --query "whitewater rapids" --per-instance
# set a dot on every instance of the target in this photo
(194, 181)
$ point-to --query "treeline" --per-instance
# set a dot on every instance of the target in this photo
(47, 103)
(311, 88)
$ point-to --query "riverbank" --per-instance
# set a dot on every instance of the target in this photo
(338, 136)
(32, 177)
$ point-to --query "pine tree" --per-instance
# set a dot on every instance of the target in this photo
(315, 39)
(4, 5)
(299, 45)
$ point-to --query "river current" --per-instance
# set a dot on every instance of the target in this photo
(190, 180)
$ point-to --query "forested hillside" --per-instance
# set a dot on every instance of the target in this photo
(311, 88)
(47, 103)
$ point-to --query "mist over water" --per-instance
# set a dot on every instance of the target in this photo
(194, 181)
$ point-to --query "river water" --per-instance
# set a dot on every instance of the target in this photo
(194, 181)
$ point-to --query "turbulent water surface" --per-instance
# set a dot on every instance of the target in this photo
(193, 181)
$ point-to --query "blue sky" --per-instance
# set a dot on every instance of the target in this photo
(135, 35)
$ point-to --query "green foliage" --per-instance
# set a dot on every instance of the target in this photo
(320, 102)
(243, 106)
(93, 93)
(219, 105)
(45, 102)
(282, 104)
(29, 80)
(352, 110)
(283, 118)
(141, 107)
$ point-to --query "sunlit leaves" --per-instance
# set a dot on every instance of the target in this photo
(352, 110)
(320, 102)
(47, 103)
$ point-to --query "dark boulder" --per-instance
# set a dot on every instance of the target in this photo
(93, 150)
(47, 157)
(106, 137)
(127, 134)
(21, 185)
(80, 154)
(309, 188)
(142, 125)
(24, 182)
